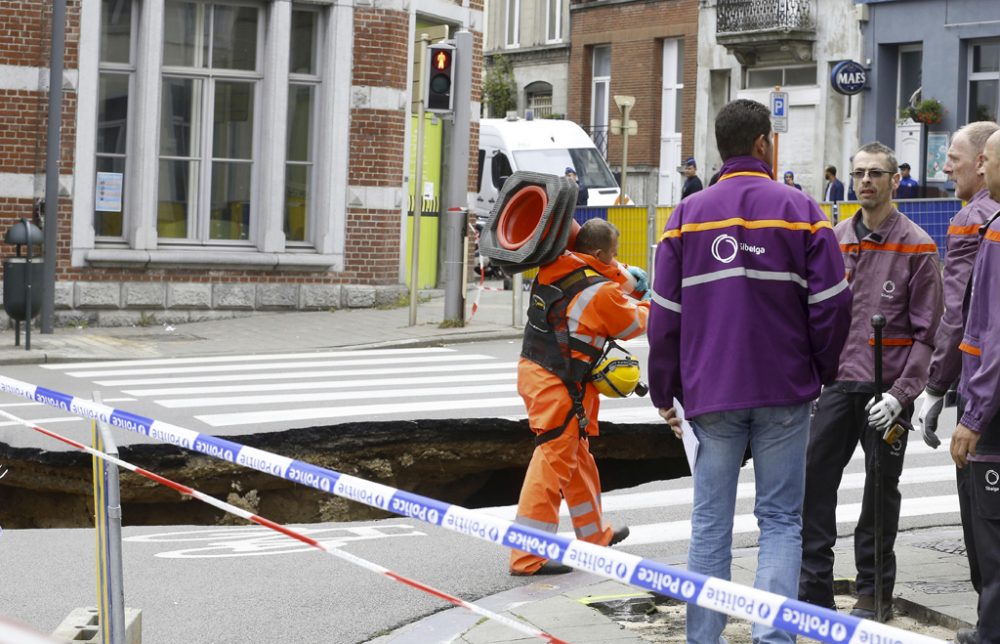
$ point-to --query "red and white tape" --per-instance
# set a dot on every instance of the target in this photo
(288, 532)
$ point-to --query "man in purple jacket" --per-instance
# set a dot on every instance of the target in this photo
(965, 168)
(892, 266)
(755, 266)
(975, 445)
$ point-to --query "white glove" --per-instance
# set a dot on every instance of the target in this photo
(882, 411)
(930, 408)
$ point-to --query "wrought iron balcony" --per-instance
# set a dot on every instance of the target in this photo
(742, 16)
(749, 28)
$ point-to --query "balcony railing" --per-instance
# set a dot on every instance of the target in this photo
(599, 134)
(742, 16)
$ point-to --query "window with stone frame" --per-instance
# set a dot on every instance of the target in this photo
(984, 80)
(210, 82)
(553, 21)
(178, 148)
(512, 25)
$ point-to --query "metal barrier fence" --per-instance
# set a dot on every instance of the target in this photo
(640, 226)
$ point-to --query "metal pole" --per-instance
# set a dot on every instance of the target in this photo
(774, 165)
(622, 195)
(458, 182)
(878, 322)
(418, 191)
(27, 287)
(116, 578)
(52, 165)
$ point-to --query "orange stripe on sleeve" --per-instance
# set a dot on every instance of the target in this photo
(963, 230)
(971, 350)
(892, 248)
(992, 235)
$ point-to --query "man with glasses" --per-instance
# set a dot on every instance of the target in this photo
(892, 267)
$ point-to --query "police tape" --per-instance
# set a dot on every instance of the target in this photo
(288, 532)
(717, 594)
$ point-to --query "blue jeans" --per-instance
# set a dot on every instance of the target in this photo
(778, 437)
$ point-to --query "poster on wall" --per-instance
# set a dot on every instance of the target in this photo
(937, 154)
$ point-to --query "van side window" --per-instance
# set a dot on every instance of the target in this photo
(500, 168)
(479, 175)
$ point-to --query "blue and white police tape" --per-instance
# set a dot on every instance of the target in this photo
(724, 596)
(298, 536)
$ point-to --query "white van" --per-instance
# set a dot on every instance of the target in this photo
(540, 145)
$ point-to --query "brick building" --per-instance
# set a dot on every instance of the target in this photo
(647, 50)
(571, 58)
(219, 155)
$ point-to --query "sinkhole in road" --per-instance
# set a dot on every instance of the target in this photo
(470, 462)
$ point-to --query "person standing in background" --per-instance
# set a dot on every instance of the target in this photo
(834, 187)
(908, 188)
(582, 197)
(692, 183)
(790, 180)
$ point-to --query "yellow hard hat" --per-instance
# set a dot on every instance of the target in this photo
(616, 377)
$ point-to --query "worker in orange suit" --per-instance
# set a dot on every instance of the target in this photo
(578, 304)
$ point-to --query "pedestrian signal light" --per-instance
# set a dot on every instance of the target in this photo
(438, 95)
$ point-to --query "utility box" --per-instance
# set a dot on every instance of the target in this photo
(23, 277)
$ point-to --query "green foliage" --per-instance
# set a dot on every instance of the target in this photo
(500, 88)
(928, 111)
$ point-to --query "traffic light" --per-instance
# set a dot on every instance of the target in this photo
(440, 69)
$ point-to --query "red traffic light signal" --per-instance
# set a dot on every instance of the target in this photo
(438, 86)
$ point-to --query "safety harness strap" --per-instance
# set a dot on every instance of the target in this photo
(547, 342)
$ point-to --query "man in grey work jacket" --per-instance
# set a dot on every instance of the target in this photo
(975, 445)
(892, 267)
(965, 168)
(750, 312)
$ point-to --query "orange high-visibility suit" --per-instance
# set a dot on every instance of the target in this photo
(564, 464)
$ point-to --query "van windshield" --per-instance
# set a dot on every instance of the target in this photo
(589, 165)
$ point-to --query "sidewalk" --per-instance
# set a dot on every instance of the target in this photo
(933, 582)
(933, 588)
(278, 332)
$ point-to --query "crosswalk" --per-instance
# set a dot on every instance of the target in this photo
(262, 393)
(378, 384)
(927, 485)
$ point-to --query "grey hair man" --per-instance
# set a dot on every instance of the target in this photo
(965, 166)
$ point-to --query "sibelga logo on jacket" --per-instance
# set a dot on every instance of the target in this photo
(992, 478)
(888, 289)
(725, 248)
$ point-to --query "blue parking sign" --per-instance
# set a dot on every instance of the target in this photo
(779, 111)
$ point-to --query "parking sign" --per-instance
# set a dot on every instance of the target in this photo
(779, 112)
